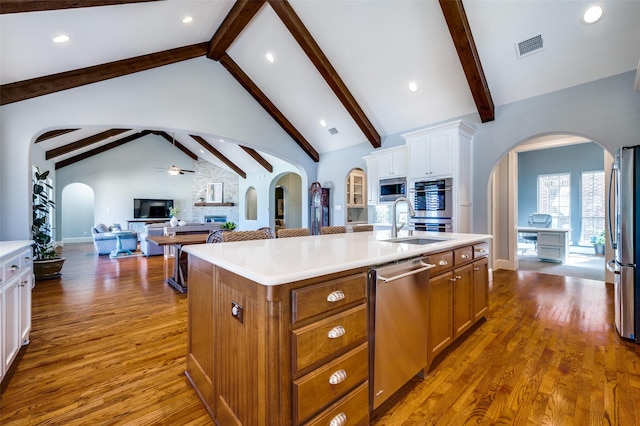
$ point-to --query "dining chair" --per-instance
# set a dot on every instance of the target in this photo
(293, 232)
(225, 236)
(333, 230)
(362, 228)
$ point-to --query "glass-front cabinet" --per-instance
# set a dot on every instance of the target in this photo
(356, 189)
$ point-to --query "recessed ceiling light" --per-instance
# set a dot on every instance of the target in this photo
(202, 151)
(413, 87)
(270, 57)
(62, 38)
(323, 123)
(187, 19)
(592, 15)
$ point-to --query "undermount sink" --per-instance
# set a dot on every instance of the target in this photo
(415, 240)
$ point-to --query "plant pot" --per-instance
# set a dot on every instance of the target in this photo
(48, 269)
(599, 249)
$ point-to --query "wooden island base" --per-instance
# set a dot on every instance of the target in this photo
(298, 353)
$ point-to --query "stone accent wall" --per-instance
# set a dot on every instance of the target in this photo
(210, 173)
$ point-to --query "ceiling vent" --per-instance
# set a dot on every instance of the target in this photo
(333, 130)
(529, 46)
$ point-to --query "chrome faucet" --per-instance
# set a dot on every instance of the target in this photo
(394, 224)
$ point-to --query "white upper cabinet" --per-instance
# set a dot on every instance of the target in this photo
(431, 156)
(392, 162)
(372, 179)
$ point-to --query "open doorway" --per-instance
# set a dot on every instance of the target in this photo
(287, 202)
(562, 176)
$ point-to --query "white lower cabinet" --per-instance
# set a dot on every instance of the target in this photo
(16, 274)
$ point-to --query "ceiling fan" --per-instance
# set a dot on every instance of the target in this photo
(173, 169)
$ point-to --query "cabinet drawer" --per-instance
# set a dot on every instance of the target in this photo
(550, 253)
(443, 262)
(480, 250)
(353, 409)
(330, 382)
(313, 300)
(10, 269)
(329, 336)
(551, 239)
(462, 255)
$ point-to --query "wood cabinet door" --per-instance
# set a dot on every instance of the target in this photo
(440, 313)
(480, 288)
(462, 299)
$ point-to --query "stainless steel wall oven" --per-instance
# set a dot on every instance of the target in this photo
(432, 201)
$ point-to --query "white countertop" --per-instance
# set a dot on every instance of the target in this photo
(9, 247)
(283, 260)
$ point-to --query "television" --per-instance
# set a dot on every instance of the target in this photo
(147, 208)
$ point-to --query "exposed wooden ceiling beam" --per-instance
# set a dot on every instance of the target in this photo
(259, 158)
(82, 143)
(99, 150)
(53, 133)
(27, 89)
(460, 30)
(262, 99)
(220, 156)
(178, 145)
(238, 17)
(20, 6)
(297, 29)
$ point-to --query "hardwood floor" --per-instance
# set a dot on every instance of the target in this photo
(108, 346)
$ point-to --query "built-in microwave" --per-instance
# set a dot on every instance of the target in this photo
(392, 189)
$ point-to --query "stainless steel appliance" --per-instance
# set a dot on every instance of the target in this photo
(432, 201)
(624, 191)
(399, 318)
(392, 189)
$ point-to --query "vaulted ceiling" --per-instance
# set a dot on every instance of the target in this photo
(346, 63)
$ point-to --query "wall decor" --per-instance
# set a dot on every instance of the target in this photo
(214, 192)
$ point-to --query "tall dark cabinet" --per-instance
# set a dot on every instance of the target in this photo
(319, 197)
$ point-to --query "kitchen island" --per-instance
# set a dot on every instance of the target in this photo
(279, 330)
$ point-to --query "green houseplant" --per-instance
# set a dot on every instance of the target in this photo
(598, 243)
(47, 264)
(229, 226)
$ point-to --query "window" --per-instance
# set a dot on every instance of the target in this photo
(554, 198)
(593, 208)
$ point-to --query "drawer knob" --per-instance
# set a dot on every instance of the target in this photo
(443, 262)
(339, 420)
(14, 267)
(452, 279)
(335, 296)
(476, 269)
(465, 256)
(27, 258)
(481, 250)
(338, 377)
(336, 332)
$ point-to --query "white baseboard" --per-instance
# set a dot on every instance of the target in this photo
(503, 264)
(75, 240)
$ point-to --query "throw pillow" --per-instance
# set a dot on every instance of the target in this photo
(101, 227)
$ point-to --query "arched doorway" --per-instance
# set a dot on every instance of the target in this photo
(286, 201)
(510, 202)
(77, 213)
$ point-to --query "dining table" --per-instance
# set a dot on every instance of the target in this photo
(180, 266)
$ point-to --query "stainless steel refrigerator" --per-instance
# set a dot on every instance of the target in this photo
(624, 233)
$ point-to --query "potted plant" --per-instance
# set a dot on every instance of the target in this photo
(47, 264)
(229, 226)
(598, 243)
(173, 213)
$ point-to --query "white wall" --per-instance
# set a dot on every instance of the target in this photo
(197, 95)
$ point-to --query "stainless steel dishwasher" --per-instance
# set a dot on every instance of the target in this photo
(398, 317)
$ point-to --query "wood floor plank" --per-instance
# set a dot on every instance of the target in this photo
(108, 347)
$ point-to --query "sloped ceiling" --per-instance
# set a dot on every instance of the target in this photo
(374, 48)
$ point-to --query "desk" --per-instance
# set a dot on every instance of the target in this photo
(179, 279)
(553, 243)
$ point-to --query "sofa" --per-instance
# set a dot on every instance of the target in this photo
(149, 248)
(105, 240)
